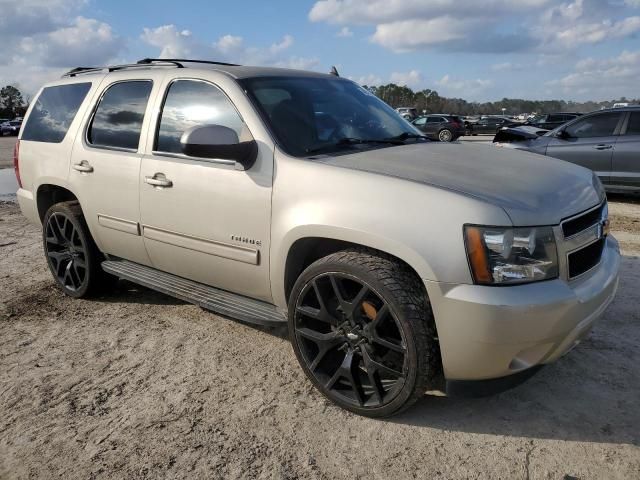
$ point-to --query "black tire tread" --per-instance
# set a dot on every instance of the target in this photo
(407, 289)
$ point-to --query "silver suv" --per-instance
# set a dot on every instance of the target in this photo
(284, 197)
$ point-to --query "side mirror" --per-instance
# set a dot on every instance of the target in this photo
(216, 141)
(563, 134)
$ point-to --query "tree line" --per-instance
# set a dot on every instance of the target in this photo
(432, 102)
(12, 103)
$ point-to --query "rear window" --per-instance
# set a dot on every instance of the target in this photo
(55, 109)
(117, 121)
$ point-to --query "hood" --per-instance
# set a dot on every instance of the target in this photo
(518, 133)
(532, 189)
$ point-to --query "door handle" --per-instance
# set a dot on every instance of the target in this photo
(603, 147)
(159, 180)
(83, 167)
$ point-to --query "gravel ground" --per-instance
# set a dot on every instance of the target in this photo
(137, 385)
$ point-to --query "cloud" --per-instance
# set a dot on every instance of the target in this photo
(468, 88)
(177, 43)
(412, 78)
(173, 43)
(478, 26)
(43, 38)
(344, 32)
(507, 67)
(369, 80)
(597, 78)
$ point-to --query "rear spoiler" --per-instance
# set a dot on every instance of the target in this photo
(518, 134)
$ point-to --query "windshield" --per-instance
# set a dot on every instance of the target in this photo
(311, 115)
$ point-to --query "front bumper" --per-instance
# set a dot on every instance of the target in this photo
(489, 332)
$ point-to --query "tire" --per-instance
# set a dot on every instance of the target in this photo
(371, 348)
(72, 255)
(445, 135)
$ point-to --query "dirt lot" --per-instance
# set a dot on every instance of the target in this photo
(137, 385)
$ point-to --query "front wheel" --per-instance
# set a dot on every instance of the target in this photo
(362, 329)
(445, 135)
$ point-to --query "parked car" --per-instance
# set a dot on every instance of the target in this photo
(407, 113)
(606, 141)
(488, 125)
(445, 128)
(394, 262)
(12, 127)
(549, 121)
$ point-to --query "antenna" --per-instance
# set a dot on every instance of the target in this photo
(334, 71)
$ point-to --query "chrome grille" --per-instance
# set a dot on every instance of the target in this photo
(584, 240)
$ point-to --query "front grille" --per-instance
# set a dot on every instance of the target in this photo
(585, 259)
(578, 224)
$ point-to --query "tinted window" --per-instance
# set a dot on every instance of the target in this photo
(190, 103)
(353, 112)
(634, 124)
(55, 109)
(118, 118)
(434, 120)
(555, 118)
(602, 125)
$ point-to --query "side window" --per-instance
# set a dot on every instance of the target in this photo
(117, 121)
(633, 128)
(555, 118)
(434, 119)
(601, 125)
(420, 121)
(190, 103)
(55, 109)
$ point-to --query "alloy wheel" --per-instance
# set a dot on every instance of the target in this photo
(66, 251)
(445, 136)
(350, 340)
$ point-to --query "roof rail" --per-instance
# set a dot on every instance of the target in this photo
(179, 61)
(112, 68)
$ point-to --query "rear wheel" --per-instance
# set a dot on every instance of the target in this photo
(72, 255)
(445, 135)
(363, 332)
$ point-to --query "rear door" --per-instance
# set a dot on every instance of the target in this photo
(105, 164)
(625, 170)
(590, 142)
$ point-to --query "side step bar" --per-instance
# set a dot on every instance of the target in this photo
(210, 298)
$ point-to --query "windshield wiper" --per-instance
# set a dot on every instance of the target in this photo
(406, 136)
(347, 141)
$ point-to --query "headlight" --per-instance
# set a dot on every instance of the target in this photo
(502, 255)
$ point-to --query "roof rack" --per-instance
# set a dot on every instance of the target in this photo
(145, 62)
(82, 70)
(179, 61)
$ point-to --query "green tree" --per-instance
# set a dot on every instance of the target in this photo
(11, 101)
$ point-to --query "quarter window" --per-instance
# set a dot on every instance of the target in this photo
(191, 103)
(53, 112)
(634, 124)
(117, 122)
(601, 125)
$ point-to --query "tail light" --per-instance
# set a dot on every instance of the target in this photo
(16, 162)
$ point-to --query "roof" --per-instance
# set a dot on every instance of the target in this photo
(235, 71)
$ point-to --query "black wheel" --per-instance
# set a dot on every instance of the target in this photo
(72, 255)
(362, 329)
(445, 135)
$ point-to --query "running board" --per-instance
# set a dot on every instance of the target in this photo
(210, 298)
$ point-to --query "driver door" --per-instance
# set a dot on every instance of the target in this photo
(589, 142)
(205, 219)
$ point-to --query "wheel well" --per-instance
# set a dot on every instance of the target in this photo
(49, 195)
(307, 250)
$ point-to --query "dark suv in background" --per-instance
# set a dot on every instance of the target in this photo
(549, 121)
(488, 125)
(441, 127)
